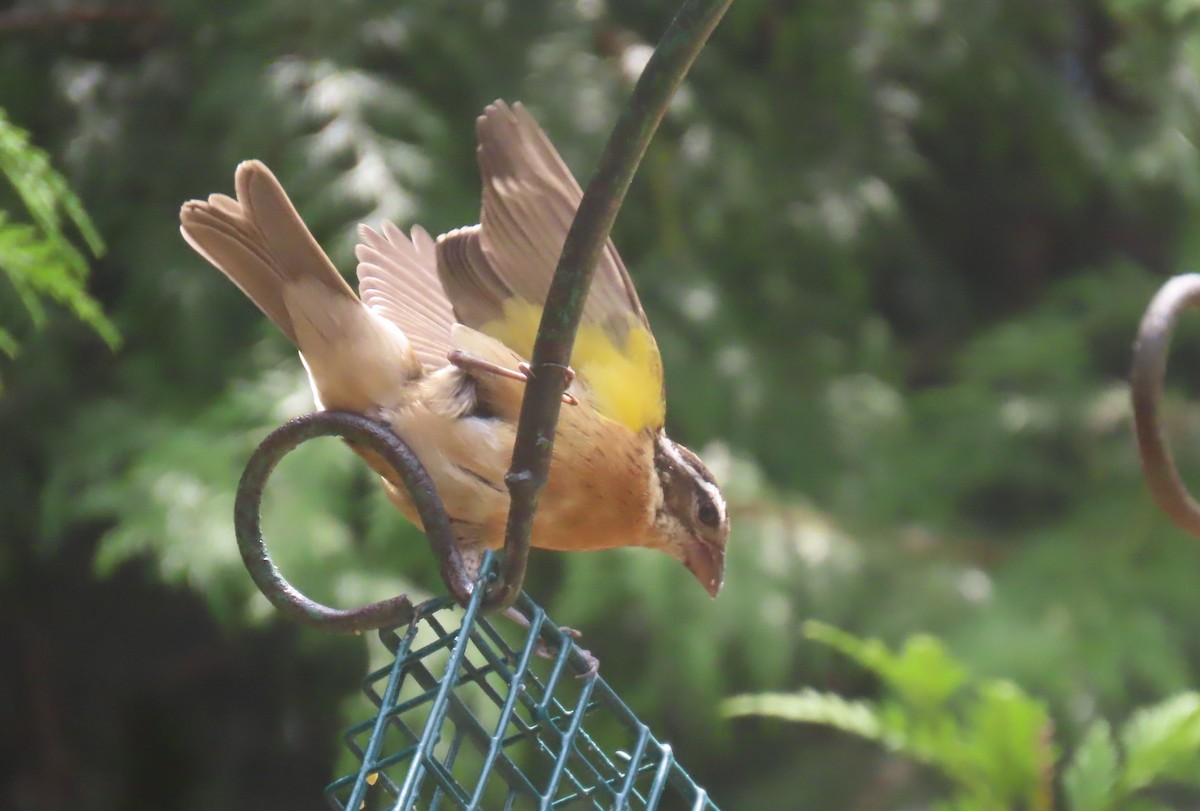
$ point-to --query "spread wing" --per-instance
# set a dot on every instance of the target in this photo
(497, 274)
(397, 278)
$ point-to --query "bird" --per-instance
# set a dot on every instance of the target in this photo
(436, 345)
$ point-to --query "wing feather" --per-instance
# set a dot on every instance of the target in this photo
(474, 286)
(529, 201)
(497, 274)
(397, 278)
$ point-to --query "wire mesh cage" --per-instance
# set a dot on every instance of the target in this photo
(476, 715)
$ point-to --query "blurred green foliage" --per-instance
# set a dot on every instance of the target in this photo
(990, 739)
(38, 259)
(894, 252)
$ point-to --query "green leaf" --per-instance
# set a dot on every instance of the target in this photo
(38, 259)
(1090, 778)
(1007, 743)
(870, 653)
(932, 738)
(1158, 739)
(813, 707)
(923, 674)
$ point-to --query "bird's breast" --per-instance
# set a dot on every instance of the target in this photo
(597, 496)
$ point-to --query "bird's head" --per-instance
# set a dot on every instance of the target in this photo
(691, 521)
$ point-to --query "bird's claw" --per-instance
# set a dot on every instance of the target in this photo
(526, 371)
(549, 651)
(523, 372)
(568, 373)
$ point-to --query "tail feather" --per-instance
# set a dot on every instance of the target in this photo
(356, 359)
(294, 251)
(224, 237)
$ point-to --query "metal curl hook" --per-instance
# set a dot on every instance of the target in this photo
(382, 440)
(1149, 370)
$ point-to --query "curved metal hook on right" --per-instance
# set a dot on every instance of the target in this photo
(1149, 370)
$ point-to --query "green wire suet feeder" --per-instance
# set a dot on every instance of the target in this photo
(469, 715)
(468, 719)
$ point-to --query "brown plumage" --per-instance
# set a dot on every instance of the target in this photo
(615, 477)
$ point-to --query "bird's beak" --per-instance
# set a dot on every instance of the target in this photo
(707, 563)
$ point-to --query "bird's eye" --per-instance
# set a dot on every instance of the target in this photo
(708, 514)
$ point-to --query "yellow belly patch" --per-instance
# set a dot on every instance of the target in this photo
(625, 379)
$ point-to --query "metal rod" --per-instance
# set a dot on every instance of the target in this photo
(585, 240)
(375, 742)
(444, 701)
(1149, 370)
(380, 439)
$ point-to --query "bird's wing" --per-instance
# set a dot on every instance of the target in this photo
(497, 274)
(398, 278)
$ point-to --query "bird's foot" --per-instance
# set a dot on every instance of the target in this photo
(547, 651)
(470, 362)
(527, 370)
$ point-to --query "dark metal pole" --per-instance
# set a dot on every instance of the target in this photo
(568, 291)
